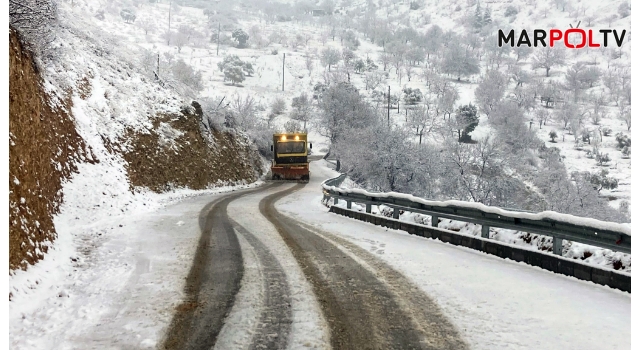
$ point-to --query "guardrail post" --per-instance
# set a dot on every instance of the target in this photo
(557, 246)
(335, 200)
(396, 213)
(348, 204)
(368, 208)
(485, 231)
(434, 221)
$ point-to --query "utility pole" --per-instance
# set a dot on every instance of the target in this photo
(218, 47)
(389, 107)
(169, 31)
(284, 55)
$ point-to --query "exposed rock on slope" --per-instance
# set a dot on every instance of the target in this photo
(43, 147)
(131, 130)
(174, 154)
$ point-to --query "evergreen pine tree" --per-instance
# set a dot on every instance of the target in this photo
(487, 16)
(467, 120)
(478, 21)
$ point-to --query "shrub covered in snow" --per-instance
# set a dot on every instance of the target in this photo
(241, 37)
(510, 11)
(278, 106)
(623, 140)
(412, 96)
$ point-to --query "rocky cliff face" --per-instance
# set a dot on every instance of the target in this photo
(43, 148)
(166, 149)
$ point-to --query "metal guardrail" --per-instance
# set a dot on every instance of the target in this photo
(594, 232)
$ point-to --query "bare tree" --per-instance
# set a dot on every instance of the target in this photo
(245, 108)
(34, 20)
(459, 62)
(308, 61)
(491, 90)
(146, 24)
(542, 115)
(187, 31)
(373, 79)
(548, 58)
(180, 40)
(573, 81)
(330, 57)
(384, 59)
(422, 119)
(624, 114)
(301, 109)
(408, 70)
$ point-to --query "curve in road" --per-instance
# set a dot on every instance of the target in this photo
(366, 304)
(363, 310)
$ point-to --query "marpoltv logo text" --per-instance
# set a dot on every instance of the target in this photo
(587, 37)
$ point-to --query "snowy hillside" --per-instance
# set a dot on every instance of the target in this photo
(128, 125)
(292, 30)
(110, 61)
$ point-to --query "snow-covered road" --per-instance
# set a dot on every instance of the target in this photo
(123, 290)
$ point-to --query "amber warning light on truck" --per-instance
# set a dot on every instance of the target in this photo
(573, 38)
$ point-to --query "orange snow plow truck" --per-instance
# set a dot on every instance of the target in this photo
(290, 157)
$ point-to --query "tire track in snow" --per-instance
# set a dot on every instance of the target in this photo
(274, 325)
(309, 329)
(213, 281)
(363, 310)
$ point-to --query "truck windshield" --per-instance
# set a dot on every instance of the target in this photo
(290, 147)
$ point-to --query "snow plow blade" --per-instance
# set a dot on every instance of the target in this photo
(293, 172)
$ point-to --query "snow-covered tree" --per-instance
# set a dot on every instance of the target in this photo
(349, 40)
(422, 119)
(180, 40)
(491, 90)
(247, 68)
(466, 121)
(278, 106)
(241, 37)
(542, 115)
(301, 109)
(373, 79)
(127, 15)
(342, 109)
(412, 96)
(330, 57)
(433, 40)
(293, 126)
(459, 62)
(522, 52)
(234, 74)
(359, 66)
(548, 58)
(486, 19)
(146, 24)
(573, 81)
(624, 10)
(34, 19)
(624, 114)
(185, 74)
(478, 21)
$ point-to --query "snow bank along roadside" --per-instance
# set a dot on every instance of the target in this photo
(551, 262)
(589, 254)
